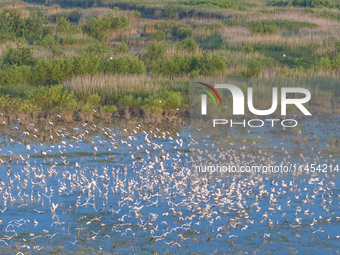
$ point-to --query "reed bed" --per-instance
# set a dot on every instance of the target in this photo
(110, 87)
(100, 12)
(237, 35)
(46, 53)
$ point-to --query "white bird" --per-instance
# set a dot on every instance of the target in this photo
(54, 207)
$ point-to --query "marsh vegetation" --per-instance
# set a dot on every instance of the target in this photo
(149, 51)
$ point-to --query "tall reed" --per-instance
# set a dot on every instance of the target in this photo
(110, 87)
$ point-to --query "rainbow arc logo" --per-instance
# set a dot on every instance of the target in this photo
(209, 93)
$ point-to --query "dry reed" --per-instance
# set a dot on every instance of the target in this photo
(327, 28)
(109, 87)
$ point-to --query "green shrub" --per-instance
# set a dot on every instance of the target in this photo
(254, 68)
(48, 41)
(156, 50)
(269, 29)
(123, 48)
(125, 65)
(35, 28)
(155, 67)
(74, 16)
(167, 33)
(256, 27)
(288, 24)
(337, 46)
(152, 105)
(97, 49)
(169, 10)
(53, 99)
(213, 42)
(325, 63)
(313, 3)
(14, 75)
(206, 64)
(12, 26)
(248, 48)
(126, 100)
(57, 51)
(19, 56)
(63, 26)
(182, 32)
(54, 71)
(195, 74)
(88, 108)
(16, 105)
(93, 100)
(158, 35)
(307, 62)
(137, 14)
(97, 27)
(189, 44)
(189, 32)
(118, 22)
(226, 4)
(270, 26)
(172, 99)
(108, 109)
(336, 61)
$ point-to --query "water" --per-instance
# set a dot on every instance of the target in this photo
(104, 189)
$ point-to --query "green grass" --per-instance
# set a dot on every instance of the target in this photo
(226, 4)
(276, 52)
(289, 24)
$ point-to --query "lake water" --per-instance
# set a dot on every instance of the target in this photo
(106, 189)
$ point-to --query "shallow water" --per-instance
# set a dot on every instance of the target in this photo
(108, 190)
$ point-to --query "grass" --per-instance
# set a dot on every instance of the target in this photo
(289, 24)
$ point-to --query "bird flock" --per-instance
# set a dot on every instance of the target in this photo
(103, 190)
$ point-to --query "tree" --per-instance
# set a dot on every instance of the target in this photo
(169, 10)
